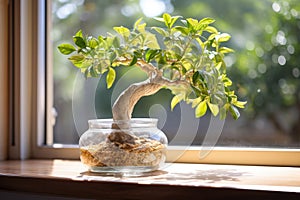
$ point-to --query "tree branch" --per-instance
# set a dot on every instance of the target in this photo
(123, 106)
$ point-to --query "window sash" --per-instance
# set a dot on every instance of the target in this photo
(33, 112)
(27, 72)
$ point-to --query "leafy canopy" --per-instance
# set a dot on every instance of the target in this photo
(191, 50)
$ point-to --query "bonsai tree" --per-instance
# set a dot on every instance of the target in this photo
(188, 59)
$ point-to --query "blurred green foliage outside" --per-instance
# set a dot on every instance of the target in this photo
(265, 66)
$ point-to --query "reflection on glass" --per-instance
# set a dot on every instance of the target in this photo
(265, 36)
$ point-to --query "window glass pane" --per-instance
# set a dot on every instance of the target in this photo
(265, 69)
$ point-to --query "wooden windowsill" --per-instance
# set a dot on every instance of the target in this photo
(178, 181)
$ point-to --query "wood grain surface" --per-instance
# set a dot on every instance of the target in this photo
(178, 181)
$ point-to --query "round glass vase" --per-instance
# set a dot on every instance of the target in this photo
(125, 146)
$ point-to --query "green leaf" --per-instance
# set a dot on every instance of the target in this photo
(79, 33)
(223, 37)
(110, 41)
(151, 40)
(112, 57)
(212, 37)
(181, 29)
(110, 78)
(207, 21)
(214, 108)
(101, 39)
(234, 112)
(139, 26)
(201, 109)
(162, 59)
(175, 100)
(225, 50)
(227, 82)
(93, 43)
(173, 20)
(160, 19)
(196, 91)
(167, 19)
(137, 23)
(79, 41)
(192, 23)
(219, 65)
(185, 66)
(133, 61)
(93, 72)
(116, 42)
(76, 58)
(101, 68)
(66, 49)
(123, 31)
(196, 77)
(138, 54)
(83, 64)
(89, 72)
(161, 31)
(211, 29)
(142, 28)
(240, 104)
(202, 75)
(150, 54)
(202, 44)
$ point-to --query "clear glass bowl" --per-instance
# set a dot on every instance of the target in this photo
(134, 146)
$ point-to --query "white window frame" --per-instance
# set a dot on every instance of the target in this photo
(31, 107)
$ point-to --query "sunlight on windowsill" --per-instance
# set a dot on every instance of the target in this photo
(261, 178)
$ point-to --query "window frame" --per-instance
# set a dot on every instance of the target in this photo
(4, 79)
(33, 115)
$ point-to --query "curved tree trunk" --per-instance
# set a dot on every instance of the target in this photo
(124, 105)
